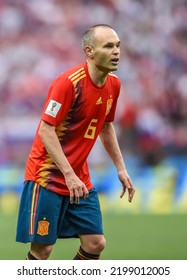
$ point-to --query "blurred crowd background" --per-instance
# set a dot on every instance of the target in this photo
(41, 38)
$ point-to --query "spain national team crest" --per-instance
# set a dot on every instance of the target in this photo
(43, 227)
(109, 105)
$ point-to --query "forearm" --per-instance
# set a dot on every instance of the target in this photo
(110, 142)
(52, 145)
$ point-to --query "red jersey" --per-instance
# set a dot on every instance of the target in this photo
(78, 109)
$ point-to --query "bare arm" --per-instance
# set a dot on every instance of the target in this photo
(51, 143)
(110, 142)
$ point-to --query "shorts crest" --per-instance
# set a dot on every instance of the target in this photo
(43, 227)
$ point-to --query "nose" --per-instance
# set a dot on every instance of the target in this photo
(116, 50)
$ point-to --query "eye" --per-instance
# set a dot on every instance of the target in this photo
(109, 46)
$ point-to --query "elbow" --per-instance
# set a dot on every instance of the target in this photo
(45, 130)
(41, 131)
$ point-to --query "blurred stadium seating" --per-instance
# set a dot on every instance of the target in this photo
(39, 39)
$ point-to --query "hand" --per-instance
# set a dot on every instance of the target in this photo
(76, 188)
(127, 184)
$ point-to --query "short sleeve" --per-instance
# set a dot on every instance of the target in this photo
(59, 101)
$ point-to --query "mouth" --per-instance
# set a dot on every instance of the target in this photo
(115, 61)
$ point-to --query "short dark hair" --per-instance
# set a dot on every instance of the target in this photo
(88, 36)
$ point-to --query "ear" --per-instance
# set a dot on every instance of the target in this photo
(89, 51)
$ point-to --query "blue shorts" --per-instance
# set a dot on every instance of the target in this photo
(45, 216)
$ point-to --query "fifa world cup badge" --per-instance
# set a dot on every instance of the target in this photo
(53, 108)
(43, 227)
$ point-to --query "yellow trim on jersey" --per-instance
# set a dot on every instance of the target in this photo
(76, 72)
(77, 76)
(43, 171)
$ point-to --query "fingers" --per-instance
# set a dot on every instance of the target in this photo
(131, 194)
(85, 193)
(77, 193)
(131, 190)
(123, 192)
(71, 196)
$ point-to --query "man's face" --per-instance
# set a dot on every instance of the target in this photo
(106, 49)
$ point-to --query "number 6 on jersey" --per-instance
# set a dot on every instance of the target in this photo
(90, 132)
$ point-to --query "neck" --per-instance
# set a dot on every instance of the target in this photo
(98, 76)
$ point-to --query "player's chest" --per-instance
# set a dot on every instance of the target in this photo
(95, 103)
